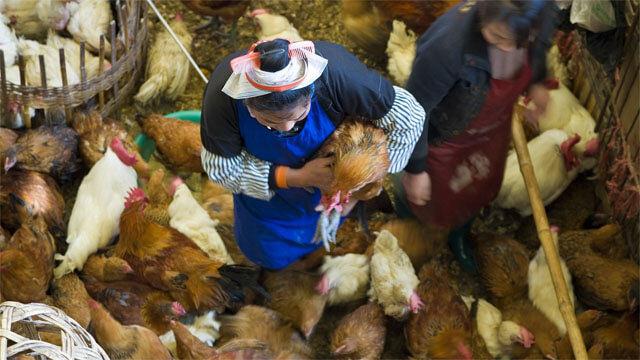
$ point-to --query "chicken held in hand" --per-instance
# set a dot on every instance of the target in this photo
(167, 71)
(155, 251)
(178, 141)
(360, 163)
(393, 280)
(188, 217)
(120, 342)
(51, 150)
(26, 263)
(443, 329)
(360, 334)
(99, 203)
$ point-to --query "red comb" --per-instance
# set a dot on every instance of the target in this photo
(135, 195)
(257, 12)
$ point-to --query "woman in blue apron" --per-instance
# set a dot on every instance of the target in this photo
(267, 112)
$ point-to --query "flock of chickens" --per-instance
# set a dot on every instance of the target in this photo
(153, 271)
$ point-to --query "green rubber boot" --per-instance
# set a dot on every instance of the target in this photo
(460, 245)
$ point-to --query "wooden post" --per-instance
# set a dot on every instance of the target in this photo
(3, 84)
(550, 251)
(100, 70)
(113, 63)
(23, 82)
(125, 26)
(65, 81)
(43, 80)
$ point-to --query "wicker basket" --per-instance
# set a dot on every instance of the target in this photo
(115, 85)
(34, 319)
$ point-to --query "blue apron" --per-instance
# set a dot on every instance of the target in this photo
(275, 233)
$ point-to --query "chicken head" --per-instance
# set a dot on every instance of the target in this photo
(123, 154)
(136, 195)
(566, 148)
(510, 332)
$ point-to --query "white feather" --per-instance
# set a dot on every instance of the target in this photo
(189, 218)
(348, 277)
(205, 327)
(497, 334)
(89, 20)
(95, 217)
(273, 26)
(401, 50)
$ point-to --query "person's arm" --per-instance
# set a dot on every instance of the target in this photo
(223, 156)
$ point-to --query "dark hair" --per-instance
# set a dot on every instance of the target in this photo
(275, 56)
(520, 15)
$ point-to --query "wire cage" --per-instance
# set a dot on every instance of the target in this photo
(25, 327)
(110, 88)
(615, 105)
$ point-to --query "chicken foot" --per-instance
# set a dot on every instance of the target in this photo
(327, 228)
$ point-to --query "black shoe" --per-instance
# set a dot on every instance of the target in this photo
(460, 245)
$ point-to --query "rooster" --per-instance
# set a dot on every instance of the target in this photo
(188, 217)
(89, 20)
(360, 163)
(154, 251)
(553, 156)
(99, 203)
(273, 26)
(393, 279)
(368, 22)
(166, 78)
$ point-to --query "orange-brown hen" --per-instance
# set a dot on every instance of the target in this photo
(360, 334)
(442, 330)
(154, 251)
(178, 141)
(26, 263)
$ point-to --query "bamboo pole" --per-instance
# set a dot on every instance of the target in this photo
(3, 84)
(100, 69)
(546, 240)
(43, 80)
(65, 81)
(23, 82)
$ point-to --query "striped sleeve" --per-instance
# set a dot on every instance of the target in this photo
(244, 173)
(403, 124)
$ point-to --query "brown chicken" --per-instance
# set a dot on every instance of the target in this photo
(442, 330)
(588, 321)
(269, 327)
(96, 134)
(69, 295)
(124, 342)
(218, 202)
(294, 296)
(620, 339)
(4, 238)
(51, 150)
(25, 192)
(8, 137)
(133, 303)
(159, 199)
(606, 284)
(503, 264)
(26, 263)
(155, 251)
(226, 10)
(360, 334)
(104, 268)
(190, 347)
(178, 141)
(415, 239)
(368, 22)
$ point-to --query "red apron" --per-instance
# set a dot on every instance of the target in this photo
(466, 171)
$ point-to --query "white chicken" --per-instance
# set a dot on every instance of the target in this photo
(33, 18)
(565, 112)
(95, 218)
(31, 50)
(167, 70)
(205, 327)
(13, 118)
(393, 279)
(345, 278)
(189, 218)
(8, 42)
(499, 335)
(89, 20)
(274, 26)
(556, 164)
(72, 55)
(401, 50)
(541, 292)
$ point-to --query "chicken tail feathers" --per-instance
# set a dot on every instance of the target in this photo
(151, 88)
(236, 278)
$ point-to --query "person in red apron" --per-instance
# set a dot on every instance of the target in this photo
(470, 68)
(266, 112)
